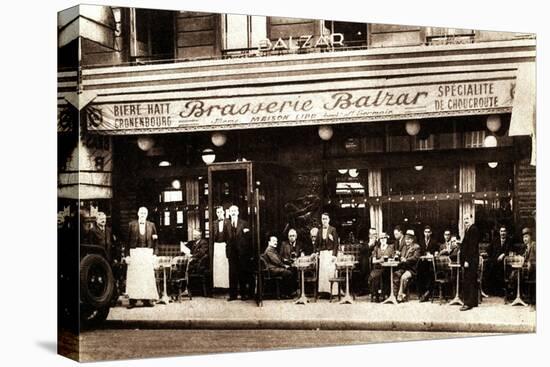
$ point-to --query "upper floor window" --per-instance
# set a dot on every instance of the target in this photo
(241, 32)
(355, 34)
(152, 34)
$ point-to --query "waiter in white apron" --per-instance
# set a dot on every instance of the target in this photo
(220, 231)
(140, 277)
(327, 245)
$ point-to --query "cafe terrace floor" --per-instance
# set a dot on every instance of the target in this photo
(492, 316)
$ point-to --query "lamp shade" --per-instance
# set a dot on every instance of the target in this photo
(325, 132)
(176, 184)
(412, 127)
(419, 168)
(208, 156)
(353, 172)
(145, 143)
(218, 139)
(490, 141)
(493, 164)
(494, 123)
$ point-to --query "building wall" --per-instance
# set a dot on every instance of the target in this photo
(525, 187)
(197, 35)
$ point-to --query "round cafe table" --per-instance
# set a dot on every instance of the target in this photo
(456, 300)
(302, 264)
(346, 263)
(518, 300)
(390, 264)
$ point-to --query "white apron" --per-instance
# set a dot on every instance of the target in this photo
(140, 277)
(327, 267)
(220, 271)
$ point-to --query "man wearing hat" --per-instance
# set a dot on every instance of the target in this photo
(380, 253)
(410, 253)
(529, 256)
(469, 259)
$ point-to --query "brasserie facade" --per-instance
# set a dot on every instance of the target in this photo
(378, 125)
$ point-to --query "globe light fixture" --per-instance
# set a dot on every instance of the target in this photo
(325, 132)
(176, 184)
(353, 172)
(412, 127)
(164, 164)
(208, 156)
(218, 139)
(494, 123)
(493, 164)
(419, 168)
(490, 142)
(145, 143)
(342, 171)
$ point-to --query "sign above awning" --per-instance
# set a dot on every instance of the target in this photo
(308, 108)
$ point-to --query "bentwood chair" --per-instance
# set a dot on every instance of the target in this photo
(442, 276)
(180, 277)
(268, 277)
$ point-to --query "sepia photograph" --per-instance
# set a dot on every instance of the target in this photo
(241, 182)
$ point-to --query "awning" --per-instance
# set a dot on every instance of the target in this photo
(524, 114)
(93, 22)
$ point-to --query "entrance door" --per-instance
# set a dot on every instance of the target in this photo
(255, 188)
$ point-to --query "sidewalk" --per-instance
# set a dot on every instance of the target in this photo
(492, 316)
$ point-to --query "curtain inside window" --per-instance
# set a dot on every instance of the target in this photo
(192, 200)
(467, 183)
(375, 189)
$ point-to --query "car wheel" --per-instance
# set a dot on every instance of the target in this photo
(96, 281)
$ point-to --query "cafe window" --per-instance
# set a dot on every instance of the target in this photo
(182, 210)
(152, 34)
(355, 34)
(243, 31)
(420, 179)
(347, 191)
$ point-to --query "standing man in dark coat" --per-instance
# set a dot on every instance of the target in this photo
(469, 259)
(327, 238)
(100, 234)
(241, 257)
(428, 246)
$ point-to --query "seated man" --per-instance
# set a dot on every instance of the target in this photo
(407, 265)
(292, 248)
(449, 248)
(199, 250)
(529, 256)
(276, 266)
(381, 253)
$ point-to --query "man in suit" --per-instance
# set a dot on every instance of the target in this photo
(399, 238)
(199, 250)
(276, 266)
(327, 238)
(141, 234)
(363, 281)
(410, 253)
(494, 268)
(292, 248)
(327, 246)
(240, 256)
(530, 263)
(428, 246)
(100, 234)
(220, 235)
(313, 233)
(449, 247)
(469, 259)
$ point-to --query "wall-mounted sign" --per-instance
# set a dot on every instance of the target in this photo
(302, 42)
(308, 108)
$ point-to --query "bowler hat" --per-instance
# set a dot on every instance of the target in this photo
(410, 233)
(526, 230)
